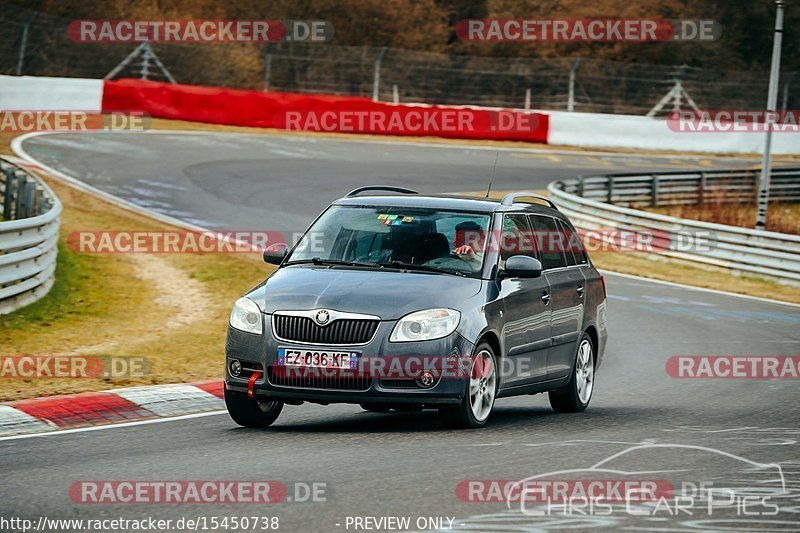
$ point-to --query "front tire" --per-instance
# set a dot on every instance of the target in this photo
(250, 412)
(481, 391)
(576, 396)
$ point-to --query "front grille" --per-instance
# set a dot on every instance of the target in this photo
(343, 331)
(306, 379)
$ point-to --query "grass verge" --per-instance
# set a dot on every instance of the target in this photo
(783, 217)
(171, 309)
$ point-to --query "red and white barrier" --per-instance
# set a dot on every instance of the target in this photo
(589, 130)
(340, 114)
(286, 110)
(29, 93)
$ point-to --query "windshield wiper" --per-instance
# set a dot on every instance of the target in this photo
(334, 262)
(423, 268)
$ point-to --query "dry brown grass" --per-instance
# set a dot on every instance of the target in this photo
(170, 308)
(783, 217)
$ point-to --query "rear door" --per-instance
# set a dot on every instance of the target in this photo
(567, 287)
(526, 332)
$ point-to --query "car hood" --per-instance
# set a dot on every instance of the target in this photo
(388, 294)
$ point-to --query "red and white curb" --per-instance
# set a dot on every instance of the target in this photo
(109, 407)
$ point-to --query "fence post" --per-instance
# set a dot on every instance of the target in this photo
(786, 85)
(527, 98)
(24, 44)
(268, 67)
(19, 209)
(610, 186)
(581, 186)
(27, 193)
(376, 83)
(395, 94)
(571, 97)
(36, 201)
(756, 187)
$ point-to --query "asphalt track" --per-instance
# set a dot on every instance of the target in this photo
(735, 432)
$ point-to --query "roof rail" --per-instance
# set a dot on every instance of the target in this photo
(511, 198)
(356, 192)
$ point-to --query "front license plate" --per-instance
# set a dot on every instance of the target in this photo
(292, 357)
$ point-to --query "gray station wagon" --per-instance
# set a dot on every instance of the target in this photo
(400, 301)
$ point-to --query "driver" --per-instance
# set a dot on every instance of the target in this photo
(469, 242)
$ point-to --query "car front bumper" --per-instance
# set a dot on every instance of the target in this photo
(382, 386)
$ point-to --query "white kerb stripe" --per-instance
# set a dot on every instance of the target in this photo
(171, 400)
(14, 421)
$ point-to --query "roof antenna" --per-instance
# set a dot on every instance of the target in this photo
(491, 178)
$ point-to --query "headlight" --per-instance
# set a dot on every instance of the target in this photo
(425, 325)
(246, 316)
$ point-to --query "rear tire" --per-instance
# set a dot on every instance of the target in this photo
(249, 412)
(576, 396)
(479, 395)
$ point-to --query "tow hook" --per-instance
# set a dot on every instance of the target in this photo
(251, 384)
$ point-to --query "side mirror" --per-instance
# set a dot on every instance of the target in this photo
(274, 253)
(522, 266)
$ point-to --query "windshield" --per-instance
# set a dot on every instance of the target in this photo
(451, 241)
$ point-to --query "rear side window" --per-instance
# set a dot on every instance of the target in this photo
(550, 241)
(576, 254)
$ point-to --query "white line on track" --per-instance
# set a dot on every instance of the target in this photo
(699, 289)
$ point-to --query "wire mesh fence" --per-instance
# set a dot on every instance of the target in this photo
(38, 45)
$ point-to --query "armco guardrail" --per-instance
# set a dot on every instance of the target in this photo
(28, 237)
(671, 188)
(589, 202)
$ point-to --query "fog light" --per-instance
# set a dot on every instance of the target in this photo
(426, 379)
(236, 368)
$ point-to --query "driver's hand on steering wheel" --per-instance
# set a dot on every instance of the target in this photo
(466, 251)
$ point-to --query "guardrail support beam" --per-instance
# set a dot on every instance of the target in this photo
(655, 190)
(8, 195)
(701, 188)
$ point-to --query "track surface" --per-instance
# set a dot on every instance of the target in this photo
(406, 464)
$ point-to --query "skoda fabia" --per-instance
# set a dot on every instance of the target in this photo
(399, 301)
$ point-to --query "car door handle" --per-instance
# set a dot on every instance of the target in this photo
(546, 298)
(580, 290)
